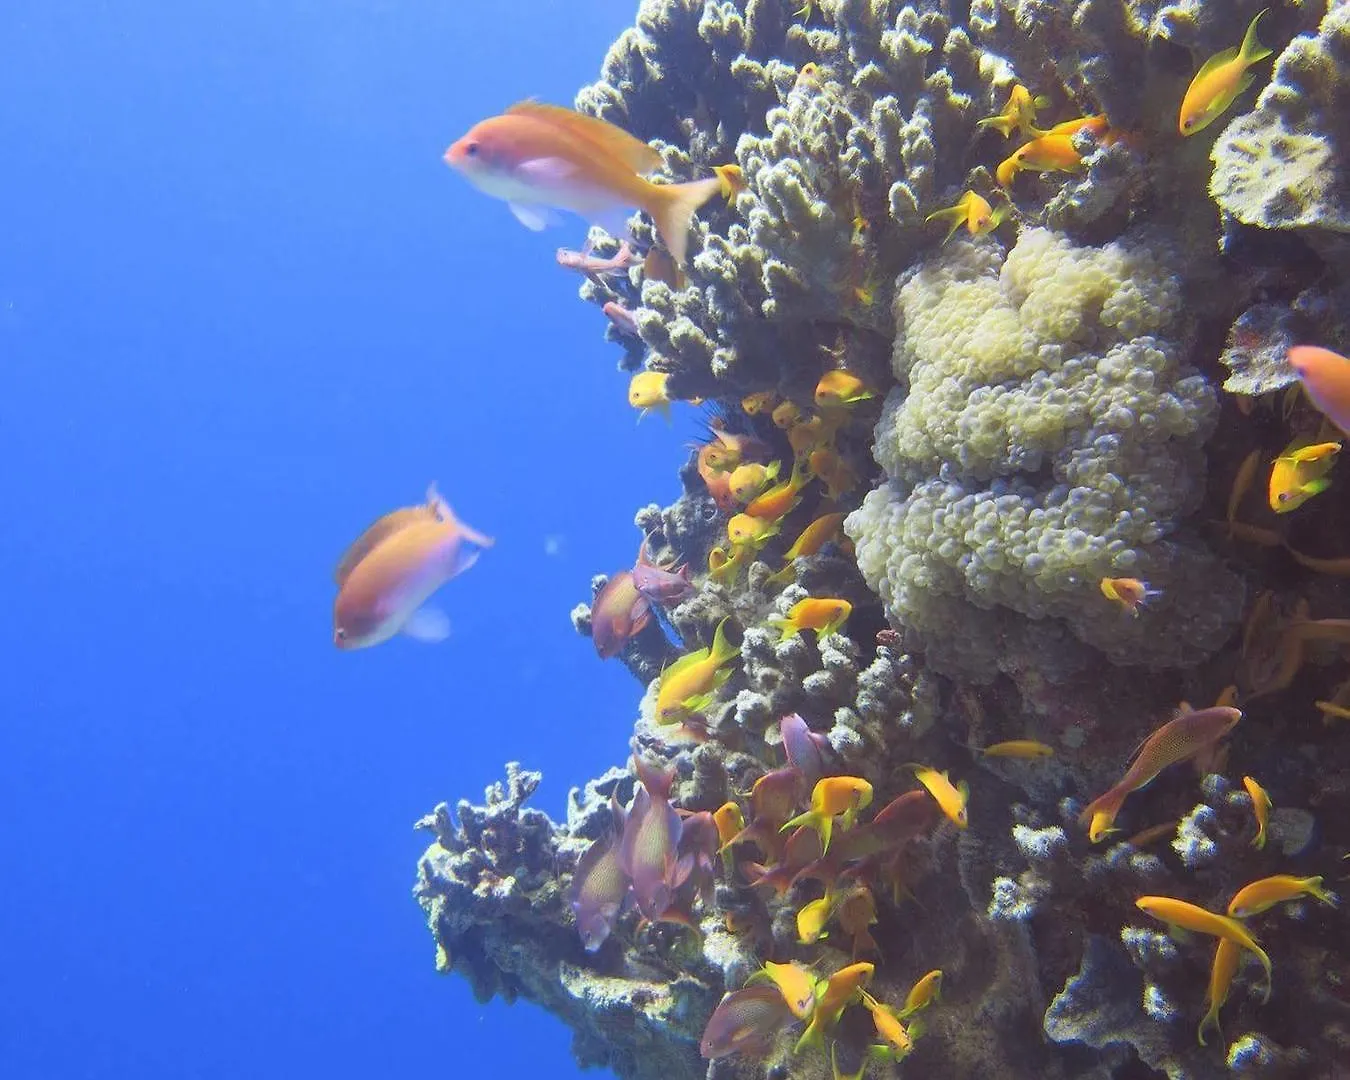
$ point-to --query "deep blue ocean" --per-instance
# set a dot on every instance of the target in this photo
(244, 310)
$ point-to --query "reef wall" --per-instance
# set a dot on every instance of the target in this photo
(976, 515)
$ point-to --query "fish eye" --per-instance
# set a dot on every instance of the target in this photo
(340, 634)
(471, 149)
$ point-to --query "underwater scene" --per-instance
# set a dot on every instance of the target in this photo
(962, 690)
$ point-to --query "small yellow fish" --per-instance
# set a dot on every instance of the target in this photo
(831, 468)
(833, 797)
(838, 992)
(779, 500)
(1219, 82)
(1019, 114)
(898, 1041)
(1018, 748)
(824, 615)
(1190, 917)
(732, 180)
(759, 402)
(1263, 895)
(837, 389)
(924, 992)
(1130, 593)
(811, 540)
(752, 532)
(785, 414)
(1226, 957)
(750, 479)
(811, 920)
(1299, 473)
(1261, 806)
(647, 392)
(1049, 153)
(950, 798)
(972, 211)
(691, 682)
(794, 982)
(724, 567)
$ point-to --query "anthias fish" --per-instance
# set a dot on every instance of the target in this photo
(393, 569)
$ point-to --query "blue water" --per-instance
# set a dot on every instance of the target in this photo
(245, 309)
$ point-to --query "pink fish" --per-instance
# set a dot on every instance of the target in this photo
(394, 567)
(618, 614)
(659, 585)
(586, 263)
(621, 317)
(599, 885)
(745, 1022)
(805, 749)
(648, 852)
(1326, 377)
(540, 157)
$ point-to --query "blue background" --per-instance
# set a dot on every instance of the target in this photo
(244, 310)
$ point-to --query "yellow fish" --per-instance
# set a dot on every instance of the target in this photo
(972, 211)
(1130, 593)
(750, 479)
(1050, 153)
(824, 615)
(1226, 957)
(1261, 806)
(394, 567)
(732, 180)
(746, 531)
(691, 682)
(811, 920)
(794, 982)
(758, 402)
(1299, 473)
(833, 797)
(1263, 895)
(811, 540)
(1190, 917)
(898, 1040)
(924, 992)
(1018, 748)
(836, 389)
(647, 391)
(1019, 114)
(1219, 82)
(950, 798)
(724, 567)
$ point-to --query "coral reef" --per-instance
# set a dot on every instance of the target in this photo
(972, 519)
(1044, 435)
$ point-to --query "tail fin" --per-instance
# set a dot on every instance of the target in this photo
(1252, 50)
(445, 514)
(672, 207)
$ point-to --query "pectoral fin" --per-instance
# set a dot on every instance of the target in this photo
(428, 625)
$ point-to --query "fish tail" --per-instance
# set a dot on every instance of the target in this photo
(445, 514)
(1318, 892)
(672, 207)
(1252, 50)
(655, 779)
(722, 650)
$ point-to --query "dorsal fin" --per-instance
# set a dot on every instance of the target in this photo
(380, 530)
(1215, 62)
(616, 142)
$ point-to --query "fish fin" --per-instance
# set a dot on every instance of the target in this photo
(447, 515)
(1252, 50)
(611, 140)
(672, 207)
(427, 624)
(533, 217)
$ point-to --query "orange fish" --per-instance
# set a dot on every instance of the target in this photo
(1326, 377)
(1219, 82)
(1180, 738)
(972, 211)
(1049, 153)
(811, 540)
(1019, 114)
(1130, 593)
(824, 615)
(779, 500)
(540, 157)
(394, 567)
(731, 180)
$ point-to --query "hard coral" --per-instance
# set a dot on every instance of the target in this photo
(1046, 434)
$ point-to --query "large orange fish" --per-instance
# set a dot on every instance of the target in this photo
(394, 567)
(541, 157)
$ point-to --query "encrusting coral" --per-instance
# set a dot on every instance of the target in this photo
(971, 518)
